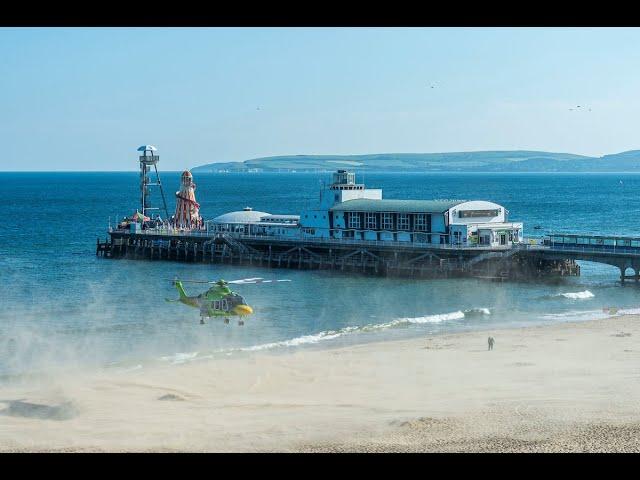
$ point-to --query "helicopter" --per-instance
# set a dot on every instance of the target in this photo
(219, 300)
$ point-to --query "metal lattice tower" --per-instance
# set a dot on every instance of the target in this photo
(147, 160)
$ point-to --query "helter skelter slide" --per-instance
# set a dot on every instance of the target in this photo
(187, 209)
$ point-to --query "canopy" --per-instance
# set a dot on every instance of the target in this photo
(139, 217)
(144, 148)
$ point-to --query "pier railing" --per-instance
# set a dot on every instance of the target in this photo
(606, 249)
(323, 241)
(528, 243)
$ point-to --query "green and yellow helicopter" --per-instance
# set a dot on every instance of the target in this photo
(219, 300)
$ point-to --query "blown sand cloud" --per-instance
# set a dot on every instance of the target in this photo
(565, 387)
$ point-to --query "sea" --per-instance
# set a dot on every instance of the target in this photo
(62, 307)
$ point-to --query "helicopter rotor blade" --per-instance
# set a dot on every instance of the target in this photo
(245, 280)
(242, 281)
(254, 280)
(192, 281)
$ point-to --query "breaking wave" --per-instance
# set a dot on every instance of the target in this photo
(576, 295)
(180, 357)
(576, 315)
(333, 334)
(580, 315)
(477, 311)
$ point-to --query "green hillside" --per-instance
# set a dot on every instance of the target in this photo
(488, 161)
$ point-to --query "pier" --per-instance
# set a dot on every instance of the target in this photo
(353, 229)
(516, 262)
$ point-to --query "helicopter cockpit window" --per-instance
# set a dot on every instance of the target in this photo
(237, 300)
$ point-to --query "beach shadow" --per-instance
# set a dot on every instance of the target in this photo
(172, 397)
(20, 408)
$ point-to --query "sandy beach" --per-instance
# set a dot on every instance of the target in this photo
(566, 387)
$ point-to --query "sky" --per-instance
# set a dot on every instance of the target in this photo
(75, 99)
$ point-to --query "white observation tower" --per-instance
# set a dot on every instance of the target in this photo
(148, 159)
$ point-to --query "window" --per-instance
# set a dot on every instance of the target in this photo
(387, 221)
(420, 222)
(354, 220)
(420, 238)
(370, 221)
(403, 221)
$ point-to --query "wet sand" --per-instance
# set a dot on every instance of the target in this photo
(566, 387)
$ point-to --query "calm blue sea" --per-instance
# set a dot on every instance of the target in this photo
(61, 306)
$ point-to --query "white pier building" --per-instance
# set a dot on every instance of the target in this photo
(349, 211)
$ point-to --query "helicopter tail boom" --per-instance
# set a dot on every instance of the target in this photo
(180, 288)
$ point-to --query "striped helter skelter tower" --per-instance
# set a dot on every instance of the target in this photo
(187, 209)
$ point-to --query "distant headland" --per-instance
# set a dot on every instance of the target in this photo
(484, 161)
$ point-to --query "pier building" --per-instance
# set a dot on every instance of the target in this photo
(348, 210)
(453, 222)
(252, 222)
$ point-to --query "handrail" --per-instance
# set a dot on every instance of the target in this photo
(574, 248)
(338, 241)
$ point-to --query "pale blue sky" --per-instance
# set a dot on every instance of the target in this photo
(86, 98)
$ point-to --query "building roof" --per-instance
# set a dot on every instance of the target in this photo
(242, 216)
(149, 148)
(288, 217)
(401, 206)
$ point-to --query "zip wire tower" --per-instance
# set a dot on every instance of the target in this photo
(149, 159)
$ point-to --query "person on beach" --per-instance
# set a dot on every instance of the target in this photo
(491, 342)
